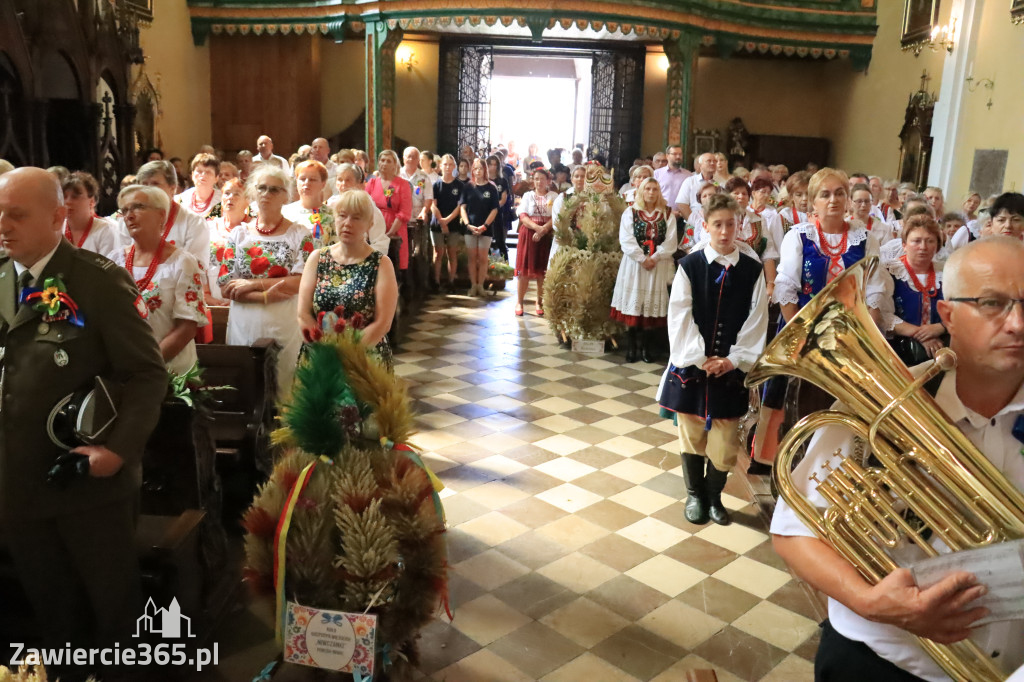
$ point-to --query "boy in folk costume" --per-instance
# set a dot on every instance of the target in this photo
(717, 321)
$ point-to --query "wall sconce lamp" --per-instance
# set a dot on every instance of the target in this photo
(942, 38)
(406, 56)
(974, 83)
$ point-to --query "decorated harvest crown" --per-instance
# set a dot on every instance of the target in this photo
(350, 520)
(598, 179)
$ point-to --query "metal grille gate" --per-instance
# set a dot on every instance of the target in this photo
(465, 91)
(615, 109)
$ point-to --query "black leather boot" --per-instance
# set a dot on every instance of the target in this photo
(647, 354)
(715, 481)
(696, 490)
(631, 344)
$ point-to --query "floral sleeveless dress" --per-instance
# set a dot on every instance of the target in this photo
(351, 287)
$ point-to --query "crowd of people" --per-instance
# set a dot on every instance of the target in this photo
(715, 261)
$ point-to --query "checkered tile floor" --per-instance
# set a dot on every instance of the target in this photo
(571, 558)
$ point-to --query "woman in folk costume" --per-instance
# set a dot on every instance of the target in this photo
(534, 244)
(717, 321)
(793, 208)
(812, 255)
(693, 232)
(914, 287)
(647, 233)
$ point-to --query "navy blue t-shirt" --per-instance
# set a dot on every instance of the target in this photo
(480, 200)
(447, 196)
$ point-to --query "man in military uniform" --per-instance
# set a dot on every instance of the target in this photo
(73, 545)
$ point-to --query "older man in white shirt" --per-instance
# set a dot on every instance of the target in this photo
(688, 197)
(265, 154)
(321, 151)
(870, 633)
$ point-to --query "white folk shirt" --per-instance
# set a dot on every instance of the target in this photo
(962, 237)
(186, 199)
(789, 280)
(879, 229)
(770, 230)
(422, 189)
(995, 439)
(102, 237)
(883, 212)
(686, 345)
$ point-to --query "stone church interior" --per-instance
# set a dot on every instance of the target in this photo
(686, 229)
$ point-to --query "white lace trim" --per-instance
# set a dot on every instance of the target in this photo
(855, 235)
(786, 290)
(899, 271)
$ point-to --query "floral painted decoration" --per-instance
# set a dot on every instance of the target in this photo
(53, 301)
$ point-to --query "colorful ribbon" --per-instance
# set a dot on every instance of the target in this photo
(281, 539)
(53, 301)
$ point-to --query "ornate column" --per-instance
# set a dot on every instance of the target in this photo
(947, 126)
(381, 43)
(682, 73)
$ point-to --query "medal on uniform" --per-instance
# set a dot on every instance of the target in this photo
(60, 357)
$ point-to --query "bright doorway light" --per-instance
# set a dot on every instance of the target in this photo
(541, 100)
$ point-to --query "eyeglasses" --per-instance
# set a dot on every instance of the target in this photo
(862, 201)
(994, 307)
(269, 189)
(134, 208)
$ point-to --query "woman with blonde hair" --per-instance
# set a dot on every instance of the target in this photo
(647, 233)
(721, 168)
(813, 254)
(972, 200)
(350, 279)
(636, 176)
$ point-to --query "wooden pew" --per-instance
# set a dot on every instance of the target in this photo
(244, 417)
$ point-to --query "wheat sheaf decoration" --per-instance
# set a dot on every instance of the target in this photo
(581, 276)
(365, 526)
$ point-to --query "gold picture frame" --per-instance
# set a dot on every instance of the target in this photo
(919, 16)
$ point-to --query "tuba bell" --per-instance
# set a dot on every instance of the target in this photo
(928, 466)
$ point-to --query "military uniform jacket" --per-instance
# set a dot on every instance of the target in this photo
(45, 361)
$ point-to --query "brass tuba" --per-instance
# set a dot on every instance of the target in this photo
(927, 464)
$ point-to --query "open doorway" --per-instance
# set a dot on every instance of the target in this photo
(541, 100)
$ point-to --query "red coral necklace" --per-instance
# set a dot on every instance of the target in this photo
(271, 231)
(143, 284)
(85, 235)
(834, 254)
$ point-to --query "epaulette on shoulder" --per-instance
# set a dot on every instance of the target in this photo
(94, 259)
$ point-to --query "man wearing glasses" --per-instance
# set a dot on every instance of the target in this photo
(73, 544)
(870, 630)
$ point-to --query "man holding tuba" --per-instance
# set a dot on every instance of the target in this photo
(870, 632)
